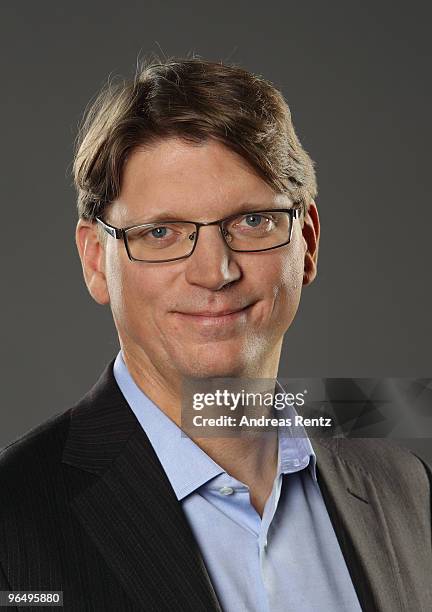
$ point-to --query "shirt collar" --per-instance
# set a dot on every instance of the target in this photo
(177, 452)
(295, 452)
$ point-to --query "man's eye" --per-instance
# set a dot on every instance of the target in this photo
(255, 221)
(159, 232)
(153, 234)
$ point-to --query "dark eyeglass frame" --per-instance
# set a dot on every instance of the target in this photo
(120, 233)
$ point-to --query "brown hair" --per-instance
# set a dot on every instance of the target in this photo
(195, 100)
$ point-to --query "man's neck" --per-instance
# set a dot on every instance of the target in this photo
(251, 460)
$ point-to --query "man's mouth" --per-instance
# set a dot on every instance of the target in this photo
(214, 313)
(215, 317)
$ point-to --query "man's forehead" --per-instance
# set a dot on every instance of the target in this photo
(175, 179)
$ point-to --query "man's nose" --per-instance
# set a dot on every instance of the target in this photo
(212, 264)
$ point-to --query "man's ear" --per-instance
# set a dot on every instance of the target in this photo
(91, 252)
(311, 234)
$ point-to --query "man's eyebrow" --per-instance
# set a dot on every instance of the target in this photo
(167, 215)
(159, 216)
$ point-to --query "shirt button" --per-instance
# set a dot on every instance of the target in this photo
(226, 490)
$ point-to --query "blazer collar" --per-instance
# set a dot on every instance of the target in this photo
(132, 514)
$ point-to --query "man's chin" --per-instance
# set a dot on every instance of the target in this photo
(238, 356)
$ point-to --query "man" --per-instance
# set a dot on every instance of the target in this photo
(198, 226)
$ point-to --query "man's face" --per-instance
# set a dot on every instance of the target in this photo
(156, 306)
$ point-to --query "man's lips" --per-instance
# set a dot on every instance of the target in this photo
(214, 313)
(215, 317)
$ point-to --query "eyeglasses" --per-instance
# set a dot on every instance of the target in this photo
(248, 232)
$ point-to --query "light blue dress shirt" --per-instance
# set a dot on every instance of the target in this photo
(288, 560)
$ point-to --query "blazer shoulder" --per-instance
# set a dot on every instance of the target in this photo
(35, 454)
(43, 446)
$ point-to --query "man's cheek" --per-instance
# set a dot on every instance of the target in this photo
(292, 272)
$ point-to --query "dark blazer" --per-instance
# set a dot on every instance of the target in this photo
(86, 508)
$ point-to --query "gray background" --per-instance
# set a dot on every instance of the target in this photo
(357, 78)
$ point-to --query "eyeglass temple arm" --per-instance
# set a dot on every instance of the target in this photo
(112, 231)
(296, 212)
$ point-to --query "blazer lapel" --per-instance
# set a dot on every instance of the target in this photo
(360, 526)
(130, 510)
